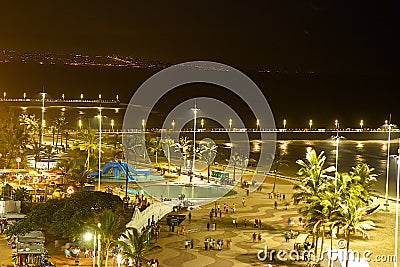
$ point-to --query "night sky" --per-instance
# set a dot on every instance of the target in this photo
(353, 41)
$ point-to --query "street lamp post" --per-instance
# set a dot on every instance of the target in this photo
(202, 123)
(387, 164)
(258, 124)
(396, 237)
(310, 123)
(195, 110)
(99, 189)
(284, 124)
(18, 159)
(112, 124)
(230, 124)
(337, 153)
(42, 124)
(99, 246)
(361, 124)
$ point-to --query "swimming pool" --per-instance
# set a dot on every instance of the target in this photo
(192, 192)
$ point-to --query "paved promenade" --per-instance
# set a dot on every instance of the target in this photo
(243, 250)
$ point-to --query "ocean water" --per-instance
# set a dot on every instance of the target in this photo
(15, 79)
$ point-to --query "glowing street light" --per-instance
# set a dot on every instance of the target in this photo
(81, 96)
(24, 95)
(310, 123)
(63, 96)
(88, 236)
(202, 123)
(258, 124)
(117, 97)
(336, 124)
(112, 124)
(143, 124)
(230, 124)
(361, 124)
(195, 110)
(4, 94)
(284, 124)
(173, 124)
(80, 124)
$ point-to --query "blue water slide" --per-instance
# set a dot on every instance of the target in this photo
(122, 166)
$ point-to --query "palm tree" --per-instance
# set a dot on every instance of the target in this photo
(66, 166)
(350, 219)
(31, 125)
(208, 151)
(155, 147)
(111, 228)
(134, 144)
(314, 174)
(79, 174)
(315, 181)
(60, 124)
(36, 150)
(279, 161)
(183, 146)
(362, 174)
(167, 144)
(22, 194)
(87, 141)
(135, 245)
(238, 159)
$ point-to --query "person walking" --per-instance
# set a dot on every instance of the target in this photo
(243, 201)
(245, 223)
(208, 226)
(275, 205)
(259, 237)
(190, 217)
(287, 237)
(254, 237)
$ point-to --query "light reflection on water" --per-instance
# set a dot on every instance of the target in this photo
(351, 152)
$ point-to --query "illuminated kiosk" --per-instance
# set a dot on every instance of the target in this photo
(30, 249)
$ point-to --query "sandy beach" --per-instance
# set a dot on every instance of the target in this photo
(243, 251)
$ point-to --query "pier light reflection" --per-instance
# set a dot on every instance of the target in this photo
(283, 145)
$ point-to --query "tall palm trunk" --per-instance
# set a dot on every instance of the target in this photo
(322, 241)
(316, 242)
(347, 247)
